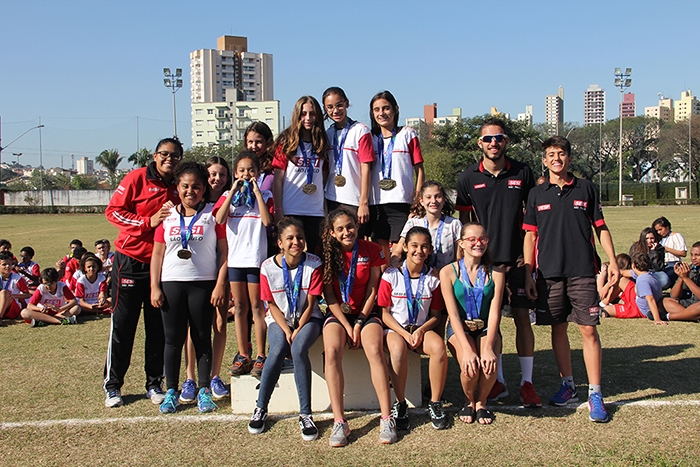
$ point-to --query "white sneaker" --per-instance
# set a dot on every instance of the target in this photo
(309, 432)
(387, 432)
(340, 434)
(113, 398)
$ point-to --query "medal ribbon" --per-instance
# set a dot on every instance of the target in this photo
(386, 156)
(309, 161)
(339, 145)
(6, 284)
(413, 301)
(244, 196)
(432, 259)
(472, 294)
(293, 291)
(346, 281)
(185, 234)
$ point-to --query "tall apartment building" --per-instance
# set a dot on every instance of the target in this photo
(527, 116)
(430, 117)
(593, 105)
(84, 166)
(663, 111)
(554, 112)
(687, 105)
(628, 107)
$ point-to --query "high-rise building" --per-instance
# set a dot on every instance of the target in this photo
(554, 112)
(593, 105)
(628, 107)
(527, 116)
(84, 166)
(663, 111)
(687, 105)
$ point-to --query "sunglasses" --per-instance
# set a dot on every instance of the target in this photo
(488, 138)
(473, 240)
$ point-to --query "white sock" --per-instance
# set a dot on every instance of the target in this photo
(526, 364)
(569, 381)
(500, 376)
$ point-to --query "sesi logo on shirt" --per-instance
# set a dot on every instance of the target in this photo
(515, 184)
(196, 230)
(299, 162)
(479, 186)
(578, 204)
(544, 207)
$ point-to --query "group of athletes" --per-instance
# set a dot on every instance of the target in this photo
(285, 234)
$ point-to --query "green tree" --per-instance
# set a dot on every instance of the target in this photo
(84, 182)
(110, 160)
(202, 153)
(673, 149)
(141, 158)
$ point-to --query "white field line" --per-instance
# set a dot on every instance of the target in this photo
(218, 418)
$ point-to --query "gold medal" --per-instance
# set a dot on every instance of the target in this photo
(184, 254)
(309, 188)
(474, 325)
(339, 180)
(387, 184)
(345, 308)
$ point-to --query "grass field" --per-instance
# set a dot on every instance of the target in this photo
(52, 412)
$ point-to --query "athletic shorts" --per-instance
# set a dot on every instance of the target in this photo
(449, 332)
(386, 221)
(13, 311)
(333, 205)
(249, 275)
(372, 318)
(514, 295)
(686, 302)
(563, 299)
(629, 308)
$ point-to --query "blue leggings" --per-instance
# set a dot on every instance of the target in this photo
(279, 348)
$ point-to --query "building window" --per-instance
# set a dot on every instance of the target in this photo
(268, 110)
(198, 123)
(199, 134)
(210, 111)
(198, 111)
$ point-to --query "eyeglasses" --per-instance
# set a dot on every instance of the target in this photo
(472, 240)
(339, 106)
(174, 156)
(488, 138)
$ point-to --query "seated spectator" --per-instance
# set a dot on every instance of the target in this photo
(684, 303)
(649, 243)
(611, 292)
(28, 268)
(102, 248)
(5, 245)
(13, 287)
(91, 286)
(73, 268)
(52, 302)
(673, 243)
(61, 263)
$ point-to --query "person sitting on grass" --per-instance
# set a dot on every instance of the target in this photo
(5, 245)
(91, 288)
(649, 243)
(684, 302)
(12, 286)
(28, 268)
(612, 291)
(647, 299)
(52, 303)
(72, 270)
(61, 263)
(674, 246)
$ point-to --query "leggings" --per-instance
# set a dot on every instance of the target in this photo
(187, 303)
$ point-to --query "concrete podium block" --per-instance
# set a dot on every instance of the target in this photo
(359, 392)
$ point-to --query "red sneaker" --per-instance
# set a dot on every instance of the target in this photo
(498, 391)
(529, 396)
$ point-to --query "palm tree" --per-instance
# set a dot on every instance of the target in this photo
(110, 160)
(141, 158)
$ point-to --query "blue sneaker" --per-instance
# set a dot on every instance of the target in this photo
(189, 392)
(170, 403)
(596, 407)
(204, 402)
(218, 390)
(565, 395)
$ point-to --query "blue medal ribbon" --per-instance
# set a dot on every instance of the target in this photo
(309, 162)
(386, 156)
(186, 234)
(339, 145)
(293, 290)
(413, 301)
(432, 259)
(347, 280)
(473, 294)
(244, 196)
(6, 284)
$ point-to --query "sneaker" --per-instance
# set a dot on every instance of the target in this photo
(70, 320)
(309, 432)
(529, 396)
(400, 413)
(204, 402)
(498, 391)
(113, 397)
(437, 416)
(156, 395)
(565, 395)
(38, 324)
(387, 430)
(241, 366)
(597, 408)
(257, 421)
(339, 436)
(218, 390)
(170, 402)
(189, 392)
(258, 366)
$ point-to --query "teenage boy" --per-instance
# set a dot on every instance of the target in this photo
(493, 192)
(12, 286)
(559, 217)
(684, 303)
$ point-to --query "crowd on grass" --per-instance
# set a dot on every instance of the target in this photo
(335, 232)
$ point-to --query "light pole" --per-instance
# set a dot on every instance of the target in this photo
(174, 83)
(690, 154)
(623, 81)
(17, 154)
(11, 142)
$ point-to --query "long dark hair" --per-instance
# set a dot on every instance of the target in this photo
(641, 245)
(389, 97)
(263, 130)
(332, 251)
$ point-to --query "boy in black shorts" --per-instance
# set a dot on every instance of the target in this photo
(558, 221)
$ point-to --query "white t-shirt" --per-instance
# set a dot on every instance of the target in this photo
(357, 149)
(202, 265)
(406, 153)
(272, 286)
(677, 242)
(294, 201)
(245, 233)
(90, 291)
(392, 294)
(15, 284)
(450, 234)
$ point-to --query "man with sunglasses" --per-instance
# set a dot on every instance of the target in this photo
(560, 216)
(493, 192)
(142, 200)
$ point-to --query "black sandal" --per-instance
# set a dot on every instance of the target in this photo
(485, 414)
(467, 411)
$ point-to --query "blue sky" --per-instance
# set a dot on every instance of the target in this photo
(89, 68)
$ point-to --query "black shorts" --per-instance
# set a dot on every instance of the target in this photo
(332, 205)
(386, 221)
(563, 299)
(372, 318)
(514, 294)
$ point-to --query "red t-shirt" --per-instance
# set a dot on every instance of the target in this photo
(369, 255)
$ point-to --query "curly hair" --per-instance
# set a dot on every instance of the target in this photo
(418, 210)
(196, 169)
(332, 251)
(290, 139)
(90, 257)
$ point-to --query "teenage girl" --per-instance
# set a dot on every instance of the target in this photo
(352, 269)
(219, 181)
(398, 157)
(350, 160)
(259, 139)
(412, 303)
(291, 283)
(91, 287)
(472, 291)
(246, 212)
(188, 280)
(301, 169)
